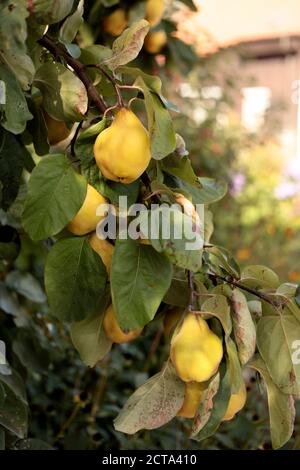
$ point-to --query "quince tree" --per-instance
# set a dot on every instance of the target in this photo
(84, 123)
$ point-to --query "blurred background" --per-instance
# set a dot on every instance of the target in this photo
(244, 96)
(233, 70)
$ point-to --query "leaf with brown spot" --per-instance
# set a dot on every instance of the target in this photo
(153, 404)
(206, 405)
(281, 407)
(243, 326)
(127, 47)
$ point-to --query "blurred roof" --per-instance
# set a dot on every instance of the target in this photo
(233, 21)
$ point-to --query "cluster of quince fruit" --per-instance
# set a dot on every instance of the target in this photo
(196, 353)
(115, 23)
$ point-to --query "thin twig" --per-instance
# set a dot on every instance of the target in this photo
(258, 294)
(60, 53)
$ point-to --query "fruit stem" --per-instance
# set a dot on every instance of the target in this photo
(59, 53)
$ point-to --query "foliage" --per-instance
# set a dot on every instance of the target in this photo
(77, 73)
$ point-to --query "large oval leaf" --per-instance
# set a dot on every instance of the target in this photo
(55, 194)
(140, 278)
(64, 95)
(75, 279)
(281, 407)
(153, 404)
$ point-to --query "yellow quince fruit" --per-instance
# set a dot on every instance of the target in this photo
(103, 248)
(192, 399)
(57, 130)
(196, 351)
(154, 11)
(155, 41)
(116, 22)
(113, 330)
(86, 219)
(236, 403)
(122, 151)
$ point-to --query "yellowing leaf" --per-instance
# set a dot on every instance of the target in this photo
(281, 407)
(127, 46)
(153, 404)
(243, 326)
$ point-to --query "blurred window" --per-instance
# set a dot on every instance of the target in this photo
(256, 100)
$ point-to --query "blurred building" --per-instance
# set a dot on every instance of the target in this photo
(267, 33)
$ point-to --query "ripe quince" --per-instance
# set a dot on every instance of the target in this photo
(154, 11)
(192, 398)
(57, 130)
(196, 351)
(155, 41)
(86, 219)
(103, 248)
(113, 330)
(122, 151)
(236, 403)
(116, 22)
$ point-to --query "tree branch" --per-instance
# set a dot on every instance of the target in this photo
(59, 53)
(258, 294)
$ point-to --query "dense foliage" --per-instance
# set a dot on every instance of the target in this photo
(72, 112)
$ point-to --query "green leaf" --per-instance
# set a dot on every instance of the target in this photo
(160, 124)
(64, 95)
(153, 404)
(211, 190)
(14, 110)
(12, 156)
(179, 291)
(26, 285)
(75, 279)
(206, 405)
(127, 46)
(89, 135)
(153, 82)
(72, 24)
(181, 167)
(220, 403)
(14, 410)
(278, 336)
(172, 232)
(13, 35)
(8, 300)
(234, 366)
(50, 11)
(55, 194)
(223, 261)
(140, 278)
(243, 326)
(281, 407)
(259, 277)
(90, 340)
(32, 444)
(28, 349)
(38, 129)
(218, 307)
